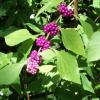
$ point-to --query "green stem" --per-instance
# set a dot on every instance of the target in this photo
(58, 19)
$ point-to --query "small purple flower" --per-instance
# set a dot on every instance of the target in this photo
(33, 62)
(51, 28)
(65, 10)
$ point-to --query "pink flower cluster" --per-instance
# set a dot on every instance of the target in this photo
(65, 10)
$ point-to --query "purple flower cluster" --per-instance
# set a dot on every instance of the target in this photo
(65, 10)
(51, 28)
(43, 43)
(33, 62)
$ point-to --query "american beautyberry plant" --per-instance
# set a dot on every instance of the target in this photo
(49, 50)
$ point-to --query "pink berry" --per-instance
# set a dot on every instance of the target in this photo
(32, 67)
(65, 10)
(46, 45)
(40, 41)
(43, 42)
(33, 62)
(51, 28)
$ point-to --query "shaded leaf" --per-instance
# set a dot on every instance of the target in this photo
(86, 84)
(26, 47)
(88, 25)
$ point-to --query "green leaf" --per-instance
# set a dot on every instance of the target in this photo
(93, 50)
(48, 54)
(50, 80)
(25, 47)
(88, 25)
(17, 85)
(72, 41)
(96, 4)
(10, 73)
(86, 84)
(68, 67)
(97, 87)
(30, 2)
(4, 60)
(17, 37)
(49, 5)
(95, 98)
(2, 11)
(46, 68)
(35, 86)
(33, 27)
(7, 31)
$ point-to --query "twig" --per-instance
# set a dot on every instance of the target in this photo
(76, 8)
(28, 96)
(97, 18)
(71, 3)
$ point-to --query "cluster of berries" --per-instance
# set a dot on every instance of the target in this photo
(43, 43)
(65, 10)
(50, 29)
(33, 62)
(35, 59)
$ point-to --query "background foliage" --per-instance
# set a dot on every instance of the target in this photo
(71, 67)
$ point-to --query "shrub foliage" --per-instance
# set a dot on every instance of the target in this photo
(69, 67)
